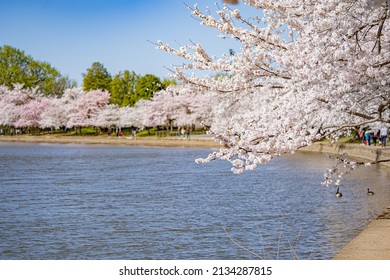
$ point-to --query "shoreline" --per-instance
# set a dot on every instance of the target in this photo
(192, 142)
(372, 243)
(357, 151)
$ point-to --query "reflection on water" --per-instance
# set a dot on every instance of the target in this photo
(119, 202)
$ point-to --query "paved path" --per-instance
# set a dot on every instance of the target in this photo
(372, 244)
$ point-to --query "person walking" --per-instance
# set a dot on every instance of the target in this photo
(361, 135)
(383, 136)
(368, 135)
(375, 136)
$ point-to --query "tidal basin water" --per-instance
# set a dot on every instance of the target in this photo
(117, 202)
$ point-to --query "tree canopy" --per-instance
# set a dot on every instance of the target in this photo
(126, 88)
(97, 77)
(123, 88)
(145, 88)
(18, 68)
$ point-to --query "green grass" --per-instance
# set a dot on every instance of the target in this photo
(348, 139)
(146, 132)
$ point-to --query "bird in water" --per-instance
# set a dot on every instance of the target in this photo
(369, 192)
(338, 193)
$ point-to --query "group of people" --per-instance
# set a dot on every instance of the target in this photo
(183, 131)
(366, 135)
(119, 132)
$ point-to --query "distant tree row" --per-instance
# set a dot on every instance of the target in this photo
(28, 110)
(125, 88)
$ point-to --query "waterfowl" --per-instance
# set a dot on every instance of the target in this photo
(369, 192)
(338, 193)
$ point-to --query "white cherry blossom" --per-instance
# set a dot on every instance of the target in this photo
(305, 70)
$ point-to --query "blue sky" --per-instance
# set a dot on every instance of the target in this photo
(71, 34)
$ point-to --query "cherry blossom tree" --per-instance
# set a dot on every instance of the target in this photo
(9, 114)
(109, 116)
(163, 108)
(191, 107)
(30, 113)
(129, 117)
(140, 115)
(305, 70)
(137, 116)
(179, 105)
(196, 107)
(55, 114)
(11, 102)
(28, 108)
(83, 109)
(8, 107)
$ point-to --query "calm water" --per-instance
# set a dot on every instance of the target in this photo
(119, 202)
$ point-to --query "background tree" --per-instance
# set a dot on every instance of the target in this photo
(108, 117)
(146, 87)
(30, 113)
(123, 87)
(230, 1)
(18, 68)
(97, 77)
(84, 110)
(54, 115)
(131, 116)
(10, 102)
(168, 82)
(180, 104)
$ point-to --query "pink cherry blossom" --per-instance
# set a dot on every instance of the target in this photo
(84, 109)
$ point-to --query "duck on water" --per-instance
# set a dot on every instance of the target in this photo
(369, 192)
(338, 193)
